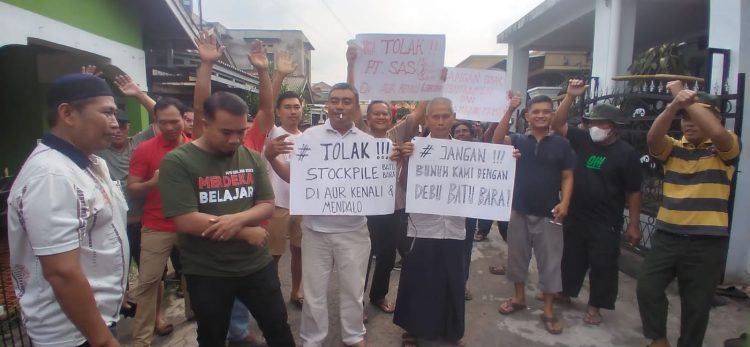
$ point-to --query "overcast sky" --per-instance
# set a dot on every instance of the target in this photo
(470, 26)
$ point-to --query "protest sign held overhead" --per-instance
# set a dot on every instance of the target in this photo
(399, 66)
(478, 95)
(460, 178)
(346, 177)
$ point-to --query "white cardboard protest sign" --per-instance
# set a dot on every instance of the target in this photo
(479, 95)
(461, 178)
(399, 66)
(342, 177)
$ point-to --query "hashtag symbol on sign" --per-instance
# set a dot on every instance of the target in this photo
(302, 153)
(426, 151)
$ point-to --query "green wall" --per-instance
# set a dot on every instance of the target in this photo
(114, 19)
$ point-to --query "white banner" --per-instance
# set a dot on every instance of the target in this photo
(479, 95)
(461, 178)
(345, 177)
(399, 66)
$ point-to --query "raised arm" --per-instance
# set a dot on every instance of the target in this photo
(559, 123)
(503, 127)
(285, 66)
(351, 59)
(656, 139)
(128, 87)
(710, 124)
(209, 52)
(259, 58)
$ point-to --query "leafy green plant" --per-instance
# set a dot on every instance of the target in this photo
(663, 59)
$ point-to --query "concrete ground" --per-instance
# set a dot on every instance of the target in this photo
(484, 326)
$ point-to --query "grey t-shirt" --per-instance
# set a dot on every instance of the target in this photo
(118, 162)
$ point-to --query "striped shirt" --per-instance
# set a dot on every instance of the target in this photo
(697, 181)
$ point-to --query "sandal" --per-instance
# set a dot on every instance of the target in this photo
(497, 270)
(298, 302)
(408, 340)
(549, 323)
(509, 307)
(384, 305)
(592, 319)
(479, 238)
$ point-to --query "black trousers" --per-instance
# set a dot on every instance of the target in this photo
(134, 241)
(430, 302)
(212, 298)
(697, 262)
(385, 236)
(594, 247)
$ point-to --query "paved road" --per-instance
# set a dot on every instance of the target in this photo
(485, 327)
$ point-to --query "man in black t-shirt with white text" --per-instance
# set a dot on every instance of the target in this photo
(607, 175)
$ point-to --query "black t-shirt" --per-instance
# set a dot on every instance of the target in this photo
(539, 173)
(603, 177)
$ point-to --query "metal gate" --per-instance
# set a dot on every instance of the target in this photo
(12, 332)
(643, 99)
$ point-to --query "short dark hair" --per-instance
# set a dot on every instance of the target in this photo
(78, 105)
(345, 86)
(165, 102)
(289, 94)
(228, 102)
(186, 109)
(375, 102)
(464, 123)
(538, 100)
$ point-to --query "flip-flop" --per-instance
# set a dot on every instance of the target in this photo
(384, 306)
(497, 270)
(512, 308)
(548, 321)
(732, 292)
(592, 319)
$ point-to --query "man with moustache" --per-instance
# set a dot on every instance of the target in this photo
(66, 222)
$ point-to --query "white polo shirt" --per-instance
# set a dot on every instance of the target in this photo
(280, 187)
(334, 224)
(63, 200)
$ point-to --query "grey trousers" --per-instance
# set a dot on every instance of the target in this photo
(527, 234)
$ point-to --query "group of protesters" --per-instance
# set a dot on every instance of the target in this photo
(213, 182)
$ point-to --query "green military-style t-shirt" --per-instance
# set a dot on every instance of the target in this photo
(193, 180)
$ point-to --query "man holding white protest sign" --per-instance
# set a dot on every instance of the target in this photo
(541, 198)
(430, 304)
(334, 225)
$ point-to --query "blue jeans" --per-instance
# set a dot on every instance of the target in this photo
(239, 324)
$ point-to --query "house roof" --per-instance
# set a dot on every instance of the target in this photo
(481, 61)
(268, 35)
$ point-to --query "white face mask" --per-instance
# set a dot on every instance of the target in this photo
(598, 134)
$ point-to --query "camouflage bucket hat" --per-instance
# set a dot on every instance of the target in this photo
(605, 112)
